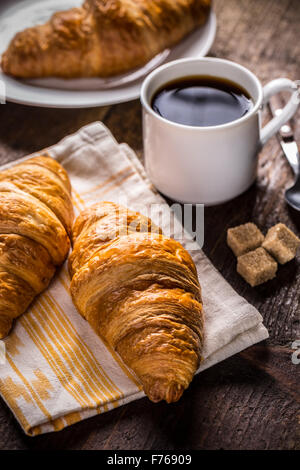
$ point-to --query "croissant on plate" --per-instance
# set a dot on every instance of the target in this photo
(140, 292)
(36, 217)
(102, 38)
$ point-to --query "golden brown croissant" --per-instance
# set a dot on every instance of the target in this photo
(102, 38)
(140, 292)
(36, 216)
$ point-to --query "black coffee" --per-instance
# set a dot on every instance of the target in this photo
(201, 101)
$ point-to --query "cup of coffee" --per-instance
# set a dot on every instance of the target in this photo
(202, 127)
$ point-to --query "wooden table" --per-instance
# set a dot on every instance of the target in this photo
(249, 401)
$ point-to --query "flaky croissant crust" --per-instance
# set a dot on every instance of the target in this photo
(36, 217)
(140, 292)
(102, 38)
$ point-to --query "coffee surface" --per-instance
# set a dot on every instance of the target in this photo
(201, 101)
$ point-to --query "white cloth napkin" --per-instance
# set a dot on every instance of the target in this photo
(57, 371)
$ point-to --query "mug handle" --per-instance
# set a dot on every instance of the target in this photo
(273, 87)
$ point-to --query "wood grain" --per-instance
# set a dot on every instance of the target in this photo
(250, 401)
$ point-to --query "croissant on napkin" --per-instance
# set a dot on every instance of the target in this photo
(140, 292)
(36, 216)
(102, 38)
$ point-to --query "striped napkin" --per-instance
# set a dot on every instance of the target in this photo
(54, 370)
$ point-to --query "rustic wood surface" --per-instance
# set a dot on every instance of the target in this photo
(250, 401)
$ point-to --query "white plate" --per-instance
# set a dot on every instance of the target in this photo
(15, 15)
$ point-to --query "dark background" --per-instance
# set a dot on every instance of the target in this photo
(250, 401)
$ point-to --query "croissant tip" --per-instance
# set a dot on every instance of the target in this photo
(6, 325)
(4, 63)
(160, 390)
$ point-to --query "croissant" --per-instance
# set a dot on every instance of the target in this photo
(140, 292)
(36, 216)
(102, 38)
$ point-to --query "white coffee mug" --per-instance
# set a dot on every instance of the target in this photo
(208, 165)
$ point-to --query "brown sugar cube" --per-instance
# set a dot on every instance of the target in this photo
(257, 267)
(244, 238)
(282, 243)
